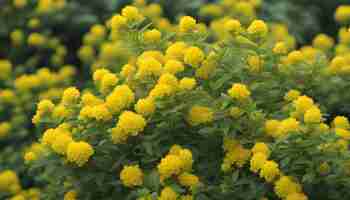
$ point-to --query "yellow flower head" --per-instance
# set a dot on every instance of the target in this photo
(129, 124)
(187, 24)
(257, 162)
(71, 195)
(341, 122)
(297, 196)
(239, 92)
(121, 98)
(199, 115)
(292, 95)
(187, 83)
(313, 115)
(188, 180)
(61, 141)
(176, 51)
(152, 36)
(132, 14)
(261, 147)
(285, 186)
(168, 194)
(194, 56)
(70, 96)
(302, 104)
(269, 171)
(323, 42)
(258, 27)
(173, 66)
(131, 176)
(145, 106)
(79, 153)
(5, 128)
(280, 48)
(342, 14)
(5, 69)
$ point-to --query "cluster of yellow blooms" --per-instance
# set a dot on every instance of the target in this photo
(151, 87)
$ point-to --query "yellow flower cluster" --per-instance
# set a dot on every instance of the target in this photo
(129, 124)
(236, 155)
(131, 176)
(176, 162)
(9, 182)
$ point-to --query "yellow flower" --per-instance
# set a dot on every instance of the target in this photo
(9, 182)
(280, 48)
(148, 66)
(132, 14)
(5, 69)
(302, 104)
(131, 176)
(7, 96)
(18, 197)
(170, 165)
(161, 90)
(36, 40)
(108, 81)
(86, 53)
(168, 194)
(127, 71)
(129, 124)
(61, 141)
(168, 79)
(187, 24)
(176, 51)
(173, 66)
(295, 57)
(30, 156)
(292, 95)
(255, 64)
(258, 27)
(79, 152)
(118, 22)
(48, 137)
(343, 133)
(70, 96)
(287, 126)
(194, 56)
(17, 37)
(98, 31)
(232, 25)
(342, 14)
(188, 180)
(99, 74)
(323, 42)
(145, 106)
(71, 195)
(152, 36)
(88, 99)
(45, 106)
(297, 196)
(341, 122)
(239, 92)
(187, 83)
(269, 171)
(257, 162)
(261, 147)
(285, 186)
(5, 128)
(34, 23)
(199, 115)
(121, 98)
(19, 3)
(313, 115)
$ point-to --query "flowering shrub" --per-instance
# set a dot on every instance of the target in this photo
(179, 110)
